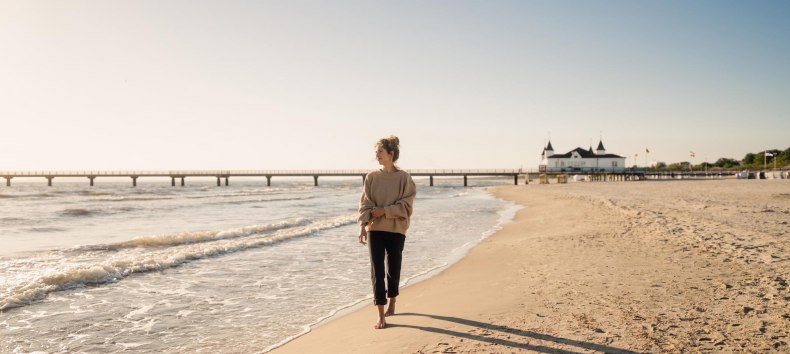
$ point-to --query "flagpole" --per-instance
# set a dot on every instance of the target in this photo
(765, 160)
(692, 155)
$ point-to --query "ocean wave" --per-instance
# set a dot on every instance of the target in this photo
(82, 212)
(13, 219)
(109, 197)
(126, 198)
(183, 238)
(262, 200)
(231, 195)
(26, 196)
(46, 229)
(93, 193)
(117, 269)
(250, 193)
(77, 212)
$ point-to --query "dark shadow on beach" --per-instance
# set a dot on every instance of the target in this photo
(512, 331)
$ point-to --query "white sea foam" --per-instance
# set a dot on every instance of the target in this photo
(182, 238)
(121, 267)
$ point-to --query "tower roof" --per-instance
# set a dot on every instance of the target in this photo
(548, 147)
(600, 145)
(583, 154)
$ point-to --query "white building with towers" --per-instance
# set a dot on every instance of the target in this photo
(581, 160)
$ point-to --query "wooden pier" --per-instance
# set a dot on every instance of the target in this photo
(636, 174)
(225, 175)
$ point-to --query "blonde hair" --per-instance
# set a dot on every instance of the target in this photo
(391, 144)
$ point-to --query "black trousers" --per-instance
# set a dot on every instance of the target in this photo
(385, 245)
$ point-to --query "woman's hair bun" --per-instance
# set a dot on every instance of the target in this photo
(391, 144)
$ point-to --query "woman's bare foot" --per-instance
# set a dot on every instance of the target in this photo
(390, 308)
(381, 323)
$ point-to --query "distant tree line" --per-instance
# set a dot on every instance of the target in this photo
(752, 161)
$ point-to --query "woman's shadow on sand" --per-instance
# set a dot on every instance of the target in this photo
(511, 331)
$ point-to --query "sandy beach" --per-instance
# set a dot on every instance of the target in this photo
(654, 266)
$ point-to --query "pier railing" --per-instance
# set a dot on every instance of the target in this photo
(226, 174)
(167, 173)
(85, 173)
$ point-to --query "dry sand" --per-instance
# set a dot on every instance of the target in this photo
(653, 266)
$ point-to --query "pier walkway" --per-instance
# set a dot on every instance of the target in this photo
(227, 174)
(636, 174)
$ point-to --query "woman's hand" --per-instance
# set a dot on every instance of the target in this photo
(363, 235)
(377, 212)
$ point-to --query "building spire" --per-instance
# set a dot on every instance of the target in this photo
(600, 150)
(548, 150)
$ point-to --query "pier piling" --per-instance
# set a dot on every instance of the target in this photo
(91, 178)
(315, 178)
(8, 181)
(172, 181)
(465, 181)
(49, 181)
(134, 181)
(226, 181)
(268, 181)
(431, 181)
(182, 181)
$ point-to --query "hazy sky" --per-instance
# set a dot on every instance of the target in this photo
(312, 84)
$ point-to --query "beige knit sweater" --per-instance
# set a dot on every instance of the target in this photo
(393, 191)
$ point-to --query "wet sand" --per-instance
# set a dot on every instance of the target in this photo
(653, 266)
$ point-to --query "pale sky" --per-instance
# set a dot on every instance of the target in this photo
(191, 84)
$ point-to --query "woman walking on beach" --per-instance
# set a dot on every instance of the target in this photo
(384, 211)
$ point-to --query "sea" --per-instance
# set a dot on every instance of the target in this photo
(205, 269)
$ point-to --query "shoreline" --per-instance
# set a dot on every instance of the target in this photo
(329, 327)
(506, 215)
(616, 267)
